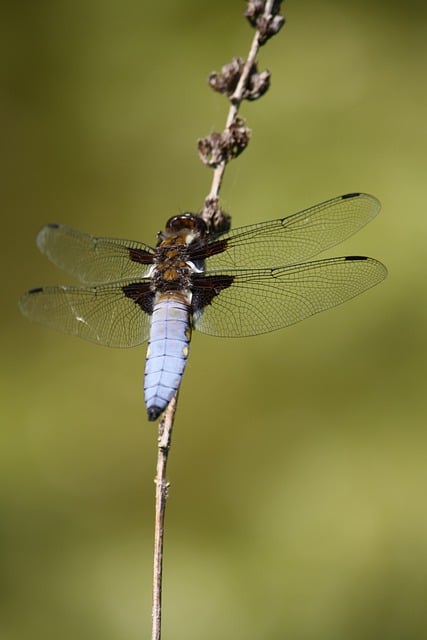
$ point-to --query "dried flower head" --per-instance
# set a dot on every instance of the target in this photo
(222, 147)
(267, 24)
(216, 218)
(227, 79)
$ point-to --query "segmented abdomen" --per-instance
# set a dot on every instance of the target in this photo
(167, 351)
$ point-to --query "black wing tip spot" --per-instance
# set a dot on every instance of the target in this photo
(347, 196)
(153, 413)
(51, 225)
(35, 290)
(352, 258)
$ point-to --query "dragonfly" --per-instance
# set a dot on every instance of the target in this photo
(247, 281)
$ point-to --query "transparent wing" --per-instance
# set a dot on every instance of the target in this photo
(94, 260)
(257, 301)
(296, 237)
(103, 314)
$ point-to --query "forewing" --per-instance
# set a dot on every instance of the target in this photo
(94, 260)
(294, 238)
(249, 302)
(110, 315)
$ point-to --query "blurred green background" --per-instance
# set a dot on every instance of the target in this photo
(299, 468)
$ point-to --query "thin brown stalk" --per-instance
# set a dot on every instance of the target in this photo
(226, 147)
(162, 486)
(235, 101)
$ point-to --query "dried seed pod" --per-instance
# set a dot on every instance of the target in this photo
(222, 147)
(216, 218)
(258, 84)
(226, 80)
(266, 24)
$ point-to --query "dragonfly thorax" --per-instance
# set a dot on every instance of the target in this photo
(172, 269)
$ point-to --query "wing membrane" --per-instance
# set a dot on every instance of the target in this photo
(102, 314)
(263, 300)
(297, 237)
(90, 259)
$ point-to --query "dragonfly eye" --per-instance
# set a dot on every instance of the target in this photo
(186, 221)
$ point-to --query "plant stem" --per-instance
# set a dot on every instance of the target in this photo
(235, 102)
(162, 486)
(166, 423)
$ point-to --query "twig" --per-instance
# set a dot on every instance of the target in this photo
(236, 100)
(162, 486)
(238, 81)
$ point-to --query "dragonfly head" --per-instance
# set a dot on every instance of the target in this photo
(187, 225)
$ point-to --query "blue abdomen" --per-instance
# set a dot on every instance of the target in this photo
(167, 352)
